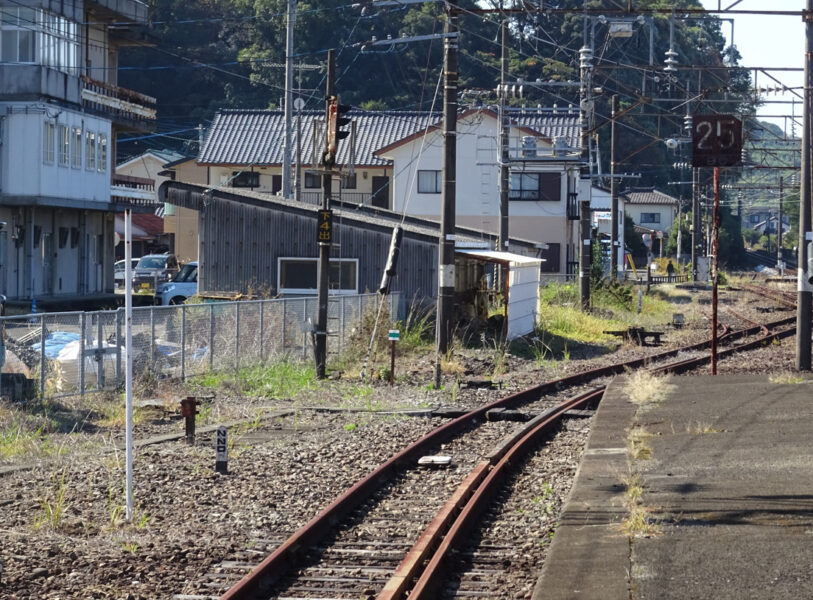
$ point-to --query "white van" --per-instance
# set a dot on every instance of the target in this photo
(182, 286)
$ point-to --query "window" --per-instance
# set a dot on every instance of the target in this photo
(17, 28)
(650, 217)
(90, 151)
(101, 153)
(429, 182)
(245, 179)
(48, 140)
(76, 147)
(537, 187)
(312, 180)
(754, 218)
(349, 182)
(298, 276)
(63, 144)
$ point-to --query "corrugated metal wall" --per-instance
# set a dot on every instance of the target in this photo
(240, 244)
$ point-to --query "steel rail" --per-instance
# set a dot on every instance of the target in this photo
(279, 562)
(482, 489)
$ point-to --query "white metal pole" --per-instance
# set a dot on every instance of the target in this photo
(128, 354)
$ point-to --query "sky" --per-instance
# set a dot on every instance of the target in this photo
(769, 41)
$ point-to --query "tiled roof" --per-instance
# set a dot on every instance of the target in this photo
(649, 197)
(256, 137)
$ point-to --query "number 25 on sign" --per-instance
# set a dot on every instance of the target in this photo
(716, 141)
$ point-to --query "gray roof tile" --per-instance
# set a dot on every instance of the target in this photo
(256, 137)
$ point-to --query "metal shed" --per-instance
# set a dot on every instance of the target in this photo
(522, 283)
(245, 237)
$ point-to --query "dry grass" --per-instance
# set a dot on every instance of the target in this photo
(645, 388)
(788, 378)
(639, 522)
(699, 428)
(637, 444)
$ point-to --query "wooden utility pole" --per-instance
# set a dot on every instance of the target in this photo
(446, 270)
(323, 268)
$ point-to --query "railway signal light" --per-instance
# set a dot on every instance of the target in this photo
(335, 121)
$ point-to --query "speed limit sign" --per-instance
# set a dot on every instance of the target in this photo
(716, 141)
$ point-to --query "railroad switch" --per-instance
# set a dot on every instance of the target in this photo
(189, 408)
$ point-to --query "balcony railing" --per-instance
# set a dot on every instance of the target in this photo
(573, 206)
(353, 197)
(126, 189)
(119, 101)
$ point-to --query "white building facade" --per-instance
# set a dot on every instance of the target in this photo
(60, 113)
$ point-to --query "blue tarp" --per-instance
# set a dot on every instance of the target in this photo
(55, 342)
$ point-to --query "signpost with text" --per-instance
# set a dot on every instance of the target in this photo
(716, 142)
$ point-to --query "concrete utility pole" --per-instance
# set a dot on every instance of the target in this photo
(779, 226)
(446, 270)
(805, 229)
(585, 257)
(290, 21)
(323, 268)
(613, 195)
(504, 158)
(695, 220)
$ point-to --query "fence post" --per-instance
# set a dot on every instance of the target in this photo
(341, 323)
(152, 338)
(236, 336)
(82, 354)
(211, 336)
(99, 355)
(42, 356)
(119, 314)
(183, 342)
(262, 329)
(284, 324)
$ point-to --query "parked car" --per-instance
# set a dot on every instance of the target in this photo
(153, 269)
(118, 271)
(183, 285)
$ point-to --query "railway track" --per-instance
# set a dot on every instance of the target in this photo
(404, 528)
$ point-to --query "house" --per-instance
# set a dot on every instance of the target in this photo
(395, 164)
(651, 209)
(62, 112)
(179, 232)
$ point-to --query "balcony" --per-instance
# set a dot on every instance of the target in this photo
(122, 105)
(128, 191)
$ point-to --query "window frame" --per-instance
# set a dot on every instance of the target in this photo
(545, 180)
(63, 145)
(656, 219)
(245, 179)
(347, 180)
(90, 150)
(313, 291)
(101, 152)
(48, 142)
(77, 140)
(309, 180)
(435, 187)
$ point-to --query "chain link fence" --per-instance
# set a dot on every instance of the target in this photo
(65, 354)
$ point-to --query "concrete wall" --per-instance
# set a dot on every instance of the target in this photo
(667, 215)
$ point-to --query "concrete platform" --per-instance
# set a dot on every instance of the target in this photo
(729, 485)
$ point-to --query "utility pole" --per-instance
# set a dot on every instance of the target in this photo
(323, 268)
(695, 222)
(779, 227)
(805, 229)
(613, 196)
(504, 158)
(446, 270)
(290, 21)
(585, 255)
